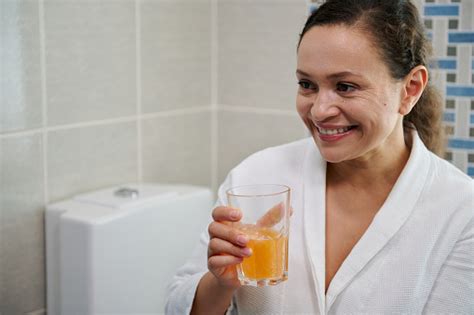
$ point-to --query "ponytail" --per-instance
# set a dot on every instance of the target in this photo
(426, 118)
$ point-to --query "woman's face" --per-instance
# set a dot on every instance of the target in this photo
(346, 96)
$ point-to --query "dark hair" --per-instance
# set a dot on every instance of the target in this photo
(400, 39)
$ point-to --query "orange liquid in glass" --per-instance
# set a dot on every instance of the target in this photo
(269, 258)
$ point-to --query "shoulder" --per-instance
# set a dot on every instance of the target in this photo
(445, 188)
(451, 188)
(450, 177)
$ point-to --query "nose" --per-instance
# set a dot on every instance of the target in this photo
(324, 106)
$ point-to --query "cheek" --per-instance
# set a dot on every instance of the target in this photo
(302, 106)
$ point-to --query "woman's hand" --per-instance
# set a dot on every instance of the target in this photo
(226, 246)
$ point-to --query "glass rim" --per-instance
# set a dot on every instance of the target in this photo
(284, 189)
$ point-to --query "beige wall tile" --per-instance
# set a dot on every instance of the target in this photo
(257, 52)
(22, 261)
(20, 79)
(176, 54)
(90, 60)
(41, 311)
(241, 134)
(84, 159)
(177, 149)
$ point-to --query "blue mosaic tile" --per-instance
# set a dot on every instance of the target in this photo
(447, 64)
(461, 37)
(461, 144)
(441, 10)
(460, 90)
(470, 171)
(449, 117)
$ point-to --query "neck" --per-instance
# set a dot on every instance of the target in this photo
(380, 168)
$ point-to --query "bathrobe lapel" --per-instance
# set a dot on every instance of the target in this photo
(391, 216)
(314, 203)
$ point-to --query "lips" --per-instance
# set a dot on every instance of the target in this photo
(334, 131)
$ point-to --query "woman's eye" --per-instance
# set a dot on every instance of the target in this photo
(344, 87)
(305, 85)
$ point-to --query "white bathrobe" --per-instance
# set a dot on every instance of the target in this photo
(417, 256)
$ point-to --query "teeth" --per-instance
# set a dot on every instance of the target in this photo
(333, 131)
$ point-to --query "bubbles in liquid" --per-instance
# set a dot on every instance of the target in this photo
(257, 233)
(269, 258)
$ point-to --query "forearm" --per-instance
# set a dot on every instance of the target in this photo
(211, 298)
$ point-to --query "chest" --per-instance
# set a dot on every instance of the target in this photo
(398, 270)
(348, 215)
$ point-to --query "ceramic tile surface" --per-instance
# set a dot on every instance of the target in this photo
(257, 52)
(450, 24)
(22, 261)
(84, 159)
(241, 134)
(176, 64)
(184, 157)
(90, 60)
(20, 81)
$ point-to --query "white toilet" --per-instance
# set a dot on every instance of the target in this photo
(114, 251)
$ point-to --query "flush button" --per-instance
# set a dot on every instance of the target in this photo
(126, 193)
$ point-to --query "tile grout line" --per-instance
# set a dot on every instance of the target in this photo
(247, 109)
(41, 311)
(138, 89)
(44, 130)
(109, 121)
(92, 123)
(21, 133)
(167, 113)
(214, 95)
(176, 112)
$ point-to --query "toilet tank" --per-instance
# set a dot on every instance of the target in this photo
(114, 251)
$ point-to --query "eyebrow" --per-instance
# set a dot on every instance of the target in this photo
(333, 76)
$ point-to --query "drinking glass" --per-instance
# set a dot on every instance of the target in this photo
(266, 221)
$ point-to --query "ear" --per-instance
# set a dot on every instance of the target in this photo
(413, 86)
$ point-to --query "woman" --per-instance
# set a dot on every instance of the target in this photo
(380, 223)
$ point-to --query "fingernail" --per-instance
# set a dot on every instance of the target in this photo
(235, 214)
(242, 239)
(247, 251)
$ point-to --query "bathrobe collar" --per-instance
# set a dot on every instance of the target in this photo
(394, 212)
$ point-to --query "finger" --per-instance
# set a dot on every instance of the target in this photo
(221, 261)
(223, 213)
(227, 233)
(218, 247)
(272, 216)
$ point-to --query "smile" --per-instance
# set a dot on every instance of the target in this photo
(334, 131)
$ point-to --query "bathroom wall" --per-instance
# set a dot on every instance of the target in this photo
(101, 92)
(256, 76)
(450, 24)
(94, 93)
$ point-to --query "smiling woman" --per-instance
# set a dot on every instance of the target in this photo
(375, 227)
(402, 47)
(350, 102)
